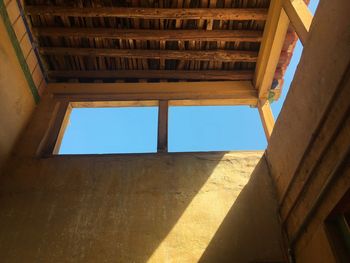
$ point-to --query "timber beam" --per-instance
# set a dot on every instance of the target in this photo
(218, 55)
(273, 39)
(151, 13)
(281, 12)
(196, 93)
(157, 35)
(155, 74)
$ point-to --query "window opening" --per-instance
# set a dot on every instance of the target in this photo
(105, 130)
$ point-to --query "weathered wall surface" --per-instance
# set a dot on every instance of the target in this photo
(166, 208)
(156, 208)
(309, 147)
(16, 100)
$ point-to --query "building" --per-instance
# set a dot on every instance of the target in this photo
(288, 204)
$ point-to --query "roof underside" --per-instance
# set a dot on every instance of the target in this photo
(132, 41)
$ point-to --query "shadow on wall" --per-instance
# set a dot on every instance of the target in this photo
(115, 209)
(251, 231)
(149, 208)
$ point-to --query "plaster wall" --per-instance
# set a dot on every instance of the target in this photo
(309, 147)
(157, 208)
(16, 100)
(207, 207)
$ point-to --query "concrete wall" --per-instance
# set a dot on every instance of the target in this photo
(311, 138)
(16, 100)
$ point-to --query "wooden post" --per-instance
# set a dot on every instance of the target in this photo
(52, 139)
(300, 17)
(163, 126)
(267, 118)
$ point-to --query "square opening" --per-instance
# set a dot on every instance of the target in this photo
(215, 128)
(107, 130)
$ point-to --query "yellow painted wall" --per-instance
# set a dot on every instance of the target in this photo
(16, 100)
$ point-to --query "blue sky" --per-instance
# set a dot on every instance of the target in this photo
(205, 128)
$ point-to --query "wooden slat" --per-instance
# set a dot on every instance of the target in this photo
(156, 74)
(213, 102)
(300, 17)
(219, 55)
(113, 104)
(152, 13)
(266, 117)
(273, 38)
(157, 35)
(163, 126)
(239, 92)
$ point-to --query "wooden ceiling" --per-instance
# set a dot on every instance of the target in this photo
(132, 41)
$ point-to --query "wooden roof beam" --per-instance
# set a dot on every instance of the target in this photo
(155, 74)
(151, 13)
(218, 55)
(300, 17)
(157, 35)
(271, 46)
(219, 92)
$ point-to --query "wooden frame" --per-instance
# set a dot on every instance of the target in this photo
(52, 139)
(220, 92)
(281, 12)
(300, 17)
(163, 95)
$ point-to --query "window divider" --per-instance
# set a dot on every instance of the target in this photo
(162, 145)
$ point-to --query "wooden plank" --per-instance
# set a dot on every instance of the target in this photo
(273, 38)
(156, 74)
(300, 17)
(266, 117)
(218, 55)
(157, 35)
(162, 145)
(151, 13)
(238, 92)
(213, 102)
(113, 104)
